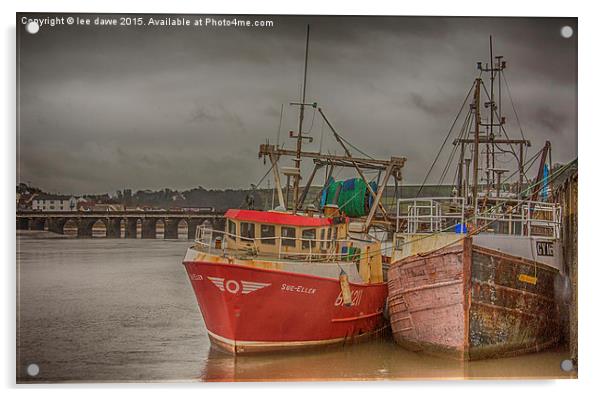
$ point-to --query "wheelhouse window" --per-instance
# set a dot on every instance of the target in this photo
(268, 231)
(247, 230)
(288, 236)
(323, 238)
(308, 236)
(232, 228)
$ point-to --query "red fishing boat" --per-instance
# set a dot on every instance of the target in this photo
(299, 275)
(254, 303)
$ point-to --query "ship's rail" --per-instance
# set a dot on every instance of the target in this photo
(318, 250)
(497, 215)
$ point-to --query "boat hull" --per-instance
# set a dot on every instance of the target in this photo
(248, 309)
(470, 302)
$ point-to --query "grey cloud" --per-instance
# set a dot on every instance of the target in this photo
(551, 120)
(104, 109)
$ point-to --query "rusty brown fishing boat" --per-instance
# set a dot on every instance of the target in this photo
(473, 275)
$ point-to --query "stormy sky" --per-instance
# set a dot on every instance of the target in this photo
(107, 108)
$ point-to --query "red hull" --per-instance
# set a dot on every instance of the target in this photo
(250, 309)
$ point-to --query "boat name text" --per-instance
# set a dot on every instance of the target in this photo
(356, 298)
(545, 248)
(298, 288)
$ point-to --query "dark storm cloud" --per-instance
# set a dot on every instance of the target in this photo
(106, 108)
(553, 121)
(434, 108)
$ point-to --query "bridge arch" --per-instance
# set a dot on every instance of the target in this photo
(149, 228)
(160, 226)
(192, 225)
(114, 227)
(173, 226)
(118, 224)
(23, 223)
(100, 228)
(182, 228)
(70, 227)
(57, 225)
(38, 224)
(132, 227)
(85, 227)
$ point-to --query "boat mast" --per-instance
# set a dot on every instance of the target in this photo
(475, 153)
(493, 141)
(491, 110)
(297, 160)
(392, 167)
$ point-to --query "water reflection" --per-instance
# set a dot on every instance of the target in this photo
(378, 359)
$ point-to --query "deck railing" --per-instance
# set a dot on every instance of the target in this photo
(498, 215)
(205, 238)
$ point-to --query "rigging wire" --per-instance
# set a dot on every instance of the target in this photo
(311, 127)
(355, 147)
(349, 142)
(464, 135)
(491, 211)
(445, 141)
(280, 126)
(528, 164)
(254, 187)
(512, 103)
(454, 150)
(321, 136)
(503, 129)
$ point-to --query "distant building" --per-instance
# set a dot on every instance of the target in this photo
(197, 209)
(52, 202)
(107, 207)
(85, 205)
(24, 201)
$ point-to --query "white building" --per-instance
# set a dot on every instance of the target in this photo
(51, 202)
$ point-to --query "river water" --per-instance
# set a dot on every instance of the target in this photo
(115, 310)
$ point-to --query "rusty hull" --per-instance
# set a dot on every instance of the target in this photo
(470, 302)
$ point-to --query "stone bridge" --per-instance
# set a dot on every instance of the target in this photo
(115, 221)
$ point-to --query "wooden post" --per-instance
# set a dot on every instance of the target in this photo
(460, 170)
(379, 195)
(317, 166)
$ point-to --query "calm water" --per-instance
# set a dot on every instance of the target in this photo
(123, 310)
